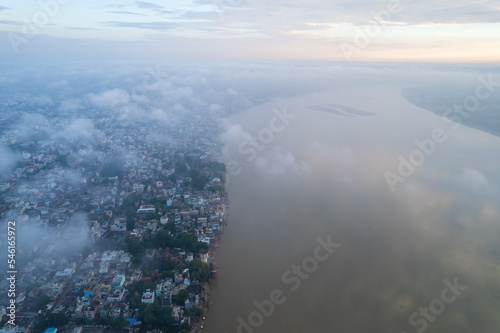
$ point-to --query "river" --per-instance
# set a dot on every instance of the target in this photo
(318, 241)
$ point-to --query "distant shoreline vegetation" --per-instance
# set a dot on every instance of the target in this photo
(438, 99)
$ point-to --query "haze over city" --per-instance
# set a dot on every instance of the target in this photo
(249, 166)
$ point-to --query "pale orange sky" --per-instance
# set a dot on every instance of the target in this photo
(359, 30)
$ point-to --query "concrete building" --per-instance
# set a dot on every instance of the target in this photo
(148, 297)
(145, 209)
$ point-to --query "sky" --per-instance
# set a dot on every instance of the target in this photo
(357, 30)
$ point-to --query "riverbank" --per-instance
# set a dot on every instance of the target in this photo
(198, 325)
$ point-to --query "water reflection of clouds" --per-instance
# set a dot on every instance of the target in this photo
(399, 247)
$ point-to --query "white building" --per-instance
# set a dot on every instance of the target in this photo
(139, 188)
(146, 209)
(148, 297)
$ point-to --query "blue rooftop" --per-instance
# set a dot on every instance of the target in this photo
(130, 320)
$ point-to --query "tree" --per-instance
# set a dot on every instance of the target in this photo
(197, 247)
(182, 296)
(199, 271)
(134, 248)
(194, 312)
(156, 316)
(42, 302)
(112, 169)
(57, 319)
(170, 226)
(198, 180)
(181, 169)
(172, 178)
(167, 265)
(194, 288)
(157, 203)
(130, 222)
(128, 204)
(119, 323)
(62, 159)
(185, 328)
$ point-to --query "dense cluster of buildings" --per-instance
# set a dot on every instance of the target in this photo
(124, 185)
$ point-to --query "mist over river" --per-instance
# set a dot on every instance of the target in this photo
(320, 241)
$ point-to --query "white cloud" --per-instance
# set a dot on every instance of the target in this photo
(110, 98)
(279, 164)
(269, 29)
(232, 137)
(31, 124)
(71, 105)
(57, 84)
(474, 179)
(41, 100)
(78, 129)
(159, 114)
(489, 213)
(338, 162)
(8, 160)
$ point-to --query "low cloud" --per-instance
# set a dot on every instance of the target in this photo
(109, 98)
(233, 136)
(31, 124)
(41, 100)
(57, 84)
(489, 213)
(159, 114)
(8, 160)
(280, 163)
(78, 129)
(474, 179)
(337, 162)
(71, 105)
(55, 241)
